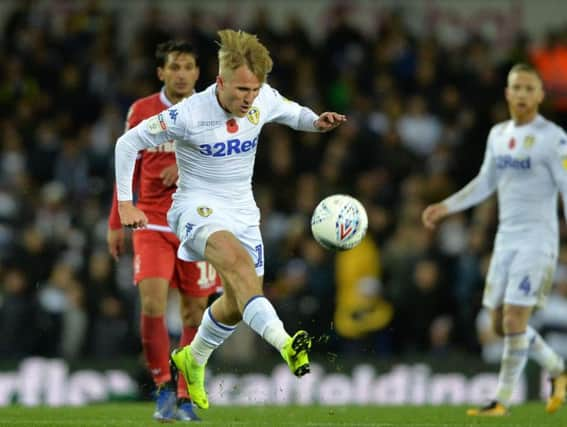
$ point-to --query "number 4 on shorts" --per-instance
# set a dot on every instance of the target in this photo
(525, 285)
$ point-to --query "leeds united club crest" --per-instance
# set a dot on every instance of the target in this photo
(204, 211)
(253, 115)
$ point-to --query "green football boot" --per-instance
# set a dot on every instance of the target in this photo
(296, 353)
(182, 361)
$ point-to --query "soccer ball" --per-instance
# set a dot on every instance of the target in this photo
(339, 222)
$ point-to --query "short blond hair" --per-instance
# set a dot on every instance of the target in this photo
(524, 68)
(239, 48)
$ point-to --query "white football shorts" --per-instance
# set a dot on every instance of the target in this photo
(194, 221)
(519, 277)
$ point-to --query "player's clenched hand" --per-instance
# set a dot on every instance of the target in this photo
(433, 214)
(131, 216)
(329, 120)
(115, 241)
(169, 175)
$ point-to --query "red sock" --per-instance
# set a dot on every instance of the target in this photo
(186, 338)
(155, 342)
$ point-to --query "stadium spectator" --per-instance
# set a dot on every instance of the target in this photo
(551, 62)
(361, 312)
(20, 315)
(419, 129)
(75, 322)
(110, 329)
(467, 283)
(55, 303)
(416, 321)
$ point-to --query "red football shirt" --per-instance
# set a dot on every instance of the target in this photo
(152, 196)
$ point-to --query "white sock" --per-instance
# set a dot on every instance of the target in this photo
(514, 360)
(543, 354)
(210, 335)
(260, 315)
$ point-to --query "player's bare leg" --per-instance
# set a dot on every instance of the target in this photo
(238, 269)
(243, 299)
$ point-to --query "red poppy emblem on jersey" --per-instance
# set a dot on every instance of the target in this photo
(232, 126)
(512, 143)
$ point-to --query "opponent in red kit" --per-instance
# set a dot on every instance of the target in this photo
(156, 266)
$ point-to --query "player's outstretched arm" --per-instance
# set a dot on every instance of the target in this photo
(433, 214)
(329, 121)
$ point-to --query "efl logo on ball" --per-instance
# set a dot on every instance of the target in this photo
(339, 222)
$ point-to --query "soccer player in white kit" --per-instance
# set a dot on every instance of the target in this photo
(214, 212)
(526, 164)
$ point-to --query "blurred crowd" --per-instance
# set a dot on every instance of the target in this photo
(419, 113)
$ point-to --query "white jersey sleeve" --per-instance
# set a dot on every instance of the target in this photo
(558, 164)
(289, 113)
(169, 125)
(480, 188)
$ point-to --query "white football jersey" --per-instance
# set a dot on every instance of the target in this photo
(527, 166)
(215, 150)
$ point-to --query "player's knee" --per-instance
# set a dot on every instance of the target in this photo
(512, 325)
(515, 319)
(192, 310)
(192, 320)
(152, 306)
(498, 328)
(153, 296)
(497, 321)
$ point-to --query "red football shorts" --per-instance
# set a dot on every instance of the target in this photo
(155, 255)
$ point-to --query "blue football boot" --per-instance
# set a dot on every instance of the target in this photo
(166, 404)
(185, 411)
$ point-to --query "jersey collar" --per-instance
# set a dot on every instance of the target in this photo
(164, 99)
(538, 118)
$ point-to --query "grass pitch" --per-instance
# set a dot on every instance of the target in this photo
(139, 414)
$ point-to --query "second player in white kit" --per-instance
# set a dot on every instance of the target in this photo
(526, 164)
